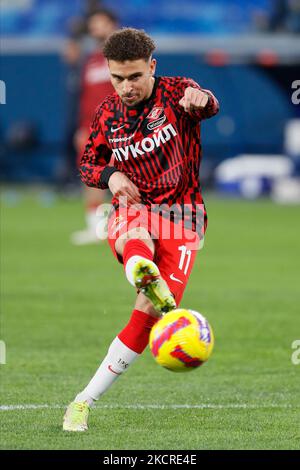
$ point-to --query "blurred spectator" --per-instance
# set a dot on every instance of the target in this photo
(277, 15)
(285, 16)
(72, 57)
(293, 16)
(95, 86)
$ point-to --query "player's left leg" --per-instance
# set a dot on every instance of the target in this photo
(175, 258)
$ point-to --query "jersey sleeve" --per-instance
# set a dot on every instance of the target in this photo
(94, 165)
(211, 108)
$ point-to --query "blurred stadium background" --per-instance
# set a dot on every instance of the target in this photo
(248, 53)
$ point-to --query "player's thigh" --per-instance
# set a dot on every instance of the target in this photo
(138, 233)
(175, 259)
(123, 226)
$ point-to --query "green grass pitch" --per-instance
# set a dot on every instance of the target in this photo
(61, 306)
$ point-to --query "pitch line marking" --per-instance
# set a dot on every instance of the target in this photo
(154, 407)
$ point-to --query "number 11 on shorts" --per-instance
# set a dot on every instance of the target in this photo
(185, 258)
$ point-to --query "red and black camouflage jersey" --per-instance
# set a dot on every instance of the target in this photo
(156, 144)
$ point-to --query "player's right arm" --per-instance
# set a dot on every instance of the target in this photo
(95, 170)
(94, 165)
(197, 102)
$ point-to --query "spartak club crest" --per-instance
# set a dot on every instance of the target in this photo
(155, 113)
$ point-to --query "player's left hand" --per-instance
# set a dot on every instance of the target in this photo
(193, 99)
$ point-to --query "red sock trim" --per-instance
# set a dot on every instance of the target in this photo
(136, 333)
(136, 247)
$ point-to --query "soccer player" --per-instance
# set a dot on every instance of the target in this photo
(151, 126)
(95, 86)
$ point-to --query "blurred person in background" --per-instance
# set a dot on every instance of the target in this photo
(292, 21)
(72, 58)
(284, 16)
(95, 86)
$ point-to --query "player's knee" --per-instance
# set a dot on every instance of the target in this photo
(138, 233)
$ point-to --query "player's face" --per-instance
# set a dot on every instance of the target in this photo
(133, 79)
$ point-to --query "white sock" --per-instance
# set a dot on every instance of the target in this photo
(116, 362)
(130, 266)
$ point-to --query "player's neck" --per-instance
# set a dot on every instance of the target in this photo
(151, 88)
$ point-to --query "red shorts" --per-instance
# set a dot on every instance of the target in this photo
(175, 246)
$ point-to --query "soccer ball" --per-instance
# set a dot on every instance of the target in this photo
(181, 340)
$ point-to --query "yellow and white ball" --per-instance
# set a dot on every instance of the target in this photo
(181, 340)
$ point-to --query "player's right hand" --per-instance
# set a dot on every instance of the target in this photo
(120, 185)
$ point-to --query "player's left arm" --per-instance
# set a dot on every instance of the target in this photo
(197, 102)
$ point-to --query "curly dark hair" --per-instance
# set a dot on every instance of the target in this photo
(128, 44)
